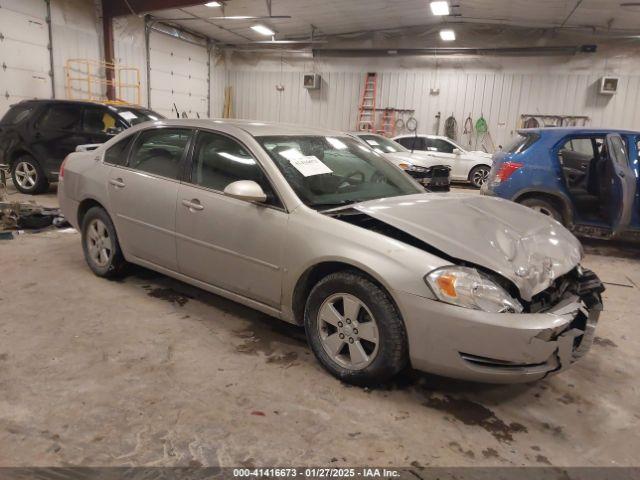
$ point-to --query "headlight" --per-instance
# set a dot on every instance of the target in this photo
(413, 168)
(468, 288)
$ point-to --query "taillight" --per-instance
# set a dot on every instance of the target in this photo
(61, 173)
(506, 170)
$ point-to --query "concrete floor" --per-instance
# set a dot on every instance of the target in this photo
(149, 371)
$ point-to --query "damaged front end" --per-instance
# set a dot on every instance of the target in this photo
(511, 336)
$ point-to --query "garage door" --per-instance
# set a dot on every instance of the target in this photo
(179, 73)
(24, 56)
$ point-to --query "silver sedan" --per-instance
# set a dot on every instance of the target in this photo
(317, 229)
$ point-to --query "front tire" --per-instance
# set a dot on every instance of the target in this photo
(354, 329)
(28, 176)
(479, 175)
(100, 244)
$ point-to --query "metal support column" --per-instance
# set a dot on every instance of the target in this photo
(50, 46)
(209, 50)
(147, 35)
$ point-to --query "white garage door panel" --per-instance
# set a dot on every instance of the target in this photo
(178, 75)
(190, 104)
(34, 8)
(16, 25)
(24, 56)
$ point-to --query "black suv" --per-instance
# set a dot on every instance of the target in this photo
(37, 135)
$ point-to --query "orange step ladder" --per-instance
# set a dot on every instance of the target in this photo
(367, 109)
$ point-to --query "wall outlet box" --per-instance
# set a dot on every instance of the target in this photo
(434, 91)
(311, 81)
(609, 85)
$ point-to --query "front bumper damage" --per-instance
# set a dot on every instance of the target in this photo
(502, 348)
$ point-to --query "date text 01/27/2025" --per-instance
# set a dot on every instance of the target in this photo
(316, 472)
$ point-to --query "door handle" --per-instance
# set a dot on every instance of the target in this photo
(117, 182)
(193, 204)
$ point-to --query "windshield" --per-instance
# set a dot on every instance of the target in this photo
(327, 172)
(134, 116)
(382, 144)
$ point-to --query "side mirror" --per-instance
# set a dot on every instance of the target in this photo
(88, 147)
(247, 190)
(456, 151)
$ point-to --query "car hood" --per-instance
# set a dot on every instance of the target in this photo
(416, 158)
(524, 246)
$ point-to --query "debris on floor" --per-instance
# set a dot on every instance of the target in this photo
(29, 216)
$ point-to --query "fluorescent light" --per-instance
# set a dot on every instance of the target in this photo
(262, 30)
(439, 8)
(447, 35)
(213, 4)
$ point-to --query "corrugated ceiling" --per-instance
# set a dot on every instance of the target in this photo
(333, 17)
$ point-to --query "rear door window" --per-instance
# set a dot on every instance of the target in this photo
(61, 117)
(583, 146)
(159, 151)
(117, 154)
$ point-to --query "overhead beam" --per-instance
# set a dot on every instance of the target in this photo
(116, 8)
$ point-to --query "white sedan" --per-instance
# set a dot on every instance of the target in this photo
(431, 172)
(466, 166)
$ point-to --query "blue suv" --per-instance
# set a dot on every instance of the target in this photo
(587, 179)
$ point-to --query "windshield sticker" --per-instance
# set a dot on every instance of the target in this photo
(310, 166)
(128, 115)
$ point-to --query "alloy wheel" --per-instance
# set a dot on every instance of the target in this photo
(26, 175)
(99, 244)
(480, 176)
(348, 331)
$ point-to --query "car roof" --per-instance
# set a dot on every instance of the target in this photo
(562, 131)
(253, 127)
(117, 106)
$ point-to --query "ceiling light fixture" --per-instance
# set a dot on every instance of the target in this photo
(213, 4)
(447, 35)
(439, 8)
(262, 30)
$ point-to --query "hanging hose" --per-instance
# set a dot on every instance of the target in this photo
(468, 128)
(451, 127)
(481, 130)
(412, 124)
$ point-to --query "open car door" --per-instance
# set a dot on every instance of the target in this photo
(621, 184)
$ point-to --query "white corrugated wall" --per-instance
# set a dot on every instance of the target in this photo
(501, 97)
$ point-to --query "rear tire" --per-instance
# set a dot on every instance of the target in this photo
(355, 330)
(478, 175)
(28, 176)
(544, 207)
(100, 244)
